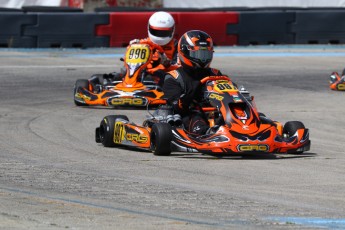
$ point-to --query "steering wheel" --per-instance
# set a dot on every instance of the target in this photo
(214, 78)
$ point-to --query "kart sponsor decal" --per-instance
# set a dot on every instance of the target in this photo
(250, 148)
(119, 132)
(305, 136)
(208, 139)
(137, 54)
(237, 99)
(138, 130)
(86, 97)
(118, 101)
(224, 87)
(341, 86)
(136, 137)
(178, 137)
(216, 96)
(77, 95)
(245, 127)
(81, 96)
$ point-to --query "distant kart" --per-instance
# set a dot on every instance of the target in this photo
(236, 127)
(337, 82)
(137, 87)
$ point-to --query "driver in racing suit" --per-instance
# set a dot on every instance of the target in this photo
(182, 86)
(161, 29)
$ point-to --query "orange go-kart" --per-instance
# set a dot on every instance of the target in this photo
(236, 127)
(337, 82)
(137, 86)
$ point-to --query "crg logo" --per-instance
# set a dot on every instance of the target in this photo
(251, 148)
(216, 96)
(136, 137)
(127, 101)
(341, 87)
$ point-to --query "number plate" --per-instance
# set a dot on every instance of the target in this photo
(138, 53)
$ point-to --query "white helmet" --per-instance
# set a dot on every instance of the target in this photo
(161, 28)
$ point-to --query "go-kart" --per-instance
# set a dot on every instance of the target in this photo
(337, 82)
(236, 127)
(135, 86)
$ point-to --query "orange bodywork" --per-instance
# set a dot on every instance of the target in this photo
(242, 131)
(231, 144)
(337, 83)
(227, 142)
(133, 90)
(135, 136)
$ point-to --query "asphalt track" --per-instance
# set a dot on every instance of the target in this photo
(53, 175)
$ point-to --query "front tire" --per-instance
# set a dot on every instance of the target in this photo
(80, 83)
(161, 137)
(262, 114)
(97, 79)
(291, 127)
(105, 133)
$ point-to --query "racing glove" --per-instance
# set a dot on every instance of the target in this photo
(134, 41)
(161, 58)
(165, 60)
(181, 105)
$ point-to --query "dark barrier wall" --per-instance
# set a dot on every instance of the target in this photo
(67, 30)
(319, 27)
(11, 34)
(213, 23)
(125, 26)
(34, 28)
(256, 28)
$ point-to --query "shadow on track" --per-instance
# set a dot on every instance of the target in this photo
(258, 156)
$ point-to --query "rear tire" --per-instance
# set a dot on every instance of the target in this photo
(161, 137)
(117, 76)
(97, 79)
(80, 83)
(106, 130)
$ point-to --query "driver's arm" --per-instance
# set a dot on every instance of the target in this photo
(172, 93)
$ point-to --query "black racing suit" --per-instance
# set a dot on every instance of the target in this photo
(182, 89)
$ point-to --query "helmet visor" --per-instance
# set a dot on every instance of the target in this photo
(161, 32)
(202, 55)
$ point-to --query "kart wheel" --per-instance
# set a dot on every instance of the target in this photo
(291, 127)
(105, 133)
(262, 114)
(81, 83)
(116, 76)
(161, 137)
(97, 79)
(97, 82)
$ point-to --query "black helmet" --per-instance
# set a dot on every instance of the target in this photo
(195, 49)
